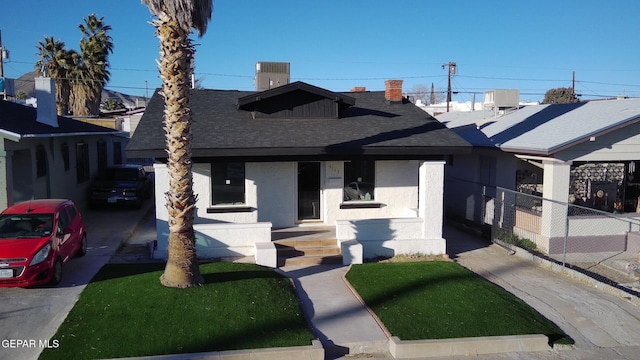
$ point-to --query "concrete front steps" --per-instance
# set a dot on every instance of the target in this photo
(307, 252)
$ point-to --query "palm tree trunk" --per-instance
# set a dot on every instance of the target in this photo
(80, 99)
(95, 100)
(63, 90)
(176, 52)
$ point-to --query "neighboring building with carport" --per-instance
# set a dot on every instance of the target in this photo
(43, 155)
(582, 153)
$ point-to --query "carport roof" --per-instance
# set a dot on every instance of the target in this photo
(543, 129)
(19, 121)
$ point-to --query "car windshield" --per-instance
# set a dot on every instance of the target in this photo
(25, 225)
(121, 174)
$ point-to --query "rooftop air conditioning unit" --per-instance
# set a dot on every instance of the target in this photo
(271, 74)
(503, 98)
(498, 101)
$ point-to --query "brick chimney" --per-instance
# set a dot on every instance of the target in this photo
(46, 112)
(358, 89)
(393, 90)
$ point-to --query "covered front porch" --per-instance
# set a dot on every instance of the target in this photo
(360, 239)
(405, 217)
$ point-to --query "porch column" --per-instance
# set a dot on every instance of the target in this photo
(6, 177)
(555, 187)
(430, 198)
(161, 181)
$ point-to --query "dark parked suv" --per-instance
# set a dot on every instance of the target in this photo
(121, 184)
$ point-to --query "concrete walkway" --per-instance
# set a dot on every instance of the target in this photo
(338, 318)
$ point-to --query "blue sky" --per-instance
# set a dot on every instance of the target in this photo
(532, 46)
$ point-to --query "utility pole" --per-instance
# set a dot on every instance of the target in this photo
(451, 70)
(573, 87)
(3, 87)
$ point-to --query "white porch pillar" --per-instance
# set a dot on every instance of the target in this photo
(555, 187)
(430, 198)
(6, 176)
(161, 181)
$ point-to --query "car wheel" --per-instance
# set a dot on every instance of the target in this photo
(57, 272)
(83, 246)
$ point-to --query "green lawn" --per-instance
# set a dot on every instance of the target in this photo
(125, 312)
(441, 299)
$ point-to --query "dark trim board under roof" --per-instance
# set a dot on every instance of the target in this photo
(299, 158)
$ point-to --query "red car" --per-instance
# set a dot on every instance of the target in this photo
(36, 238)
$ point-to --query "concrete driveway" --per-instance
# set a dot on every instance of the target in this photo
(603, 322)
(29, 318)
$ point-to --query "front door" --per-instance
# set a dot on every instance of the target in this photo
(308, 191)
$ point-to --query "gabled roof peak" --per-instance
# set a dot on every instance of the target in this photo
(248, 102)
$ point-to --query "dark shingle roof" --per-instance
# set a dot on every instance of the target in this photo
(21, 120)
(372, 126)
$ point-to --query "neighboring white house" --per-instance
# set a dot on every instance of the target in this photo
(370, 164)
(43, 155)
(583, 153)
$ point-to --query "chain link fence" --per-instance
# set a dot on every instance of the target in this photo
(600, 243)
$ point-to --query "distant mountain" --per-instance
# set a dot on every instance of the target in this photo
(26, 84)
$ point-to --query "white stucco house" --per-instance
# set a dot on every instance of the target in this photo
(582, 153)
(43, 155)
(368, 164)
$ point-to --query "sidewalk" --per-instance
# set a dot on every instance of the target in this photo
(604, 323)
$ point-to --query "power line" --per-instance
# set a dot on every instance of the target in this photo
(379, 78)
(440, 77)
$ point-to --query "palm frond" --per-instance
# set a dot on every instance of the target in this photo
(188, 13)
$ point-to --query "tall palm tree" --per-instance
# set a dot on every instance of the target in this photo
(56, 62)
(92, 66)
(175, 19)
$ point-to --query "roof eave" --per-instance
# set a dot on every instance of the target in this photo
(10, 135)
(531, 151)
